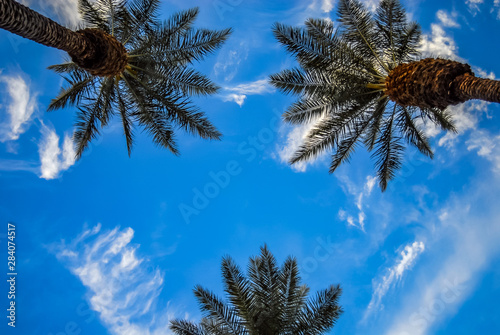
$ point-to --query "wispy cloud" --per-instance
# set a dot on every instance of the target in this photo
(291, 139)
(486, 146)
(229, 60)
(240, 92)
(65, 10)
(447, 20)
(53, 159)
(474, 5)
(465, 242)
(20, 108)
(394, 274)
(120, 287)
(359, 195)
(438, 44)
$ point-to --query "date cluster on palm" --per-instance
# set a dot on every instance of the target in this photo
(437, 83)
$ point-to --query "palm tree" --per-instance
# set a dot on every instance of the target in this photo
(270, 301)
(363, 82)
(126, 62)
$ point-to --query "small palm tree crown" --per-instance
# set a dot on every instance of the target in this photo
(154, 87)
(271, 301)
(342, 83)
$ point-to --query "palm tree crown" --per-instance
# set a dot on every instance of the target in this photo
(271, 301)
(154, 82)
(349, 85)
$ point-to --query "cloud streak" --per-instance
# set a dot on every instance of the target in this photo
(120, 287)
(53, 159)
(20, 109)
(393, 275)
(240, 92)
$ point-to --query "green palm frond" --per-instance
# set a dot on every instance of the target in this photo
(341, 83)
(238, 288)
(388, 152)
(181, 327)
(269, 300)
(321, 313)
(153, 91)
(224, 316)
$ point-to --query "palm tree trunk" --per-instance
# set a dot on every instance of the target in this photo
(25, 22)
(471, 87)
(427, 83)
(92, 49)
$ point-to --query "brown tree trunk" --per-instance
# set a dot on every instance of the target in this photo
(92, 49)
(469, 87)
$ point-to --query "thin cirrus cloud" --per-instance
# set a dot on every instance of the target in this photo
(20, 108)
(394, 274)
(122, 286)
(359, 196)
(465, 238)
(240, 92)
(53, 159)
(66, 11)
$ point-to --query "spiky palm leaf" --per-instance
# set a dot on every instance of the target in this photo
(341, 81)
(270, 301)
(154, 89)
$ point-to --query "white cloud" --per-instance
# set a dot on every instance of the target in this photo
(20, 110)
(240, 92)
(486, 146)
(446, 19)
(52, 159)
(65, 10)
(438, 44)
(324, 6)
(359, 195)
(294, 138)
(474, 5)
(228, 62)
(393, 275)
(121, 286)
(238, 98)
(465, 242)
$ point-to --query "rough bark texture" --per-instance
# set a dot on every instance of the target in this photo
(92, 49)
(427, 83)
(470, 87)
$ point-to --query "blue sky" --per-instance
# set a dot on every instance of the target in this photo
(114, 245)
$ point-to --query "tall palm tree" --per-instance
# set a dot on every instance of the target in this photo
(271, 301)
(363, 82)
(127, 62)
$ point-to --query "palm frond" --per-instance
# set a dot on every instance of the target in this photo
(358, 29)
(388, 154)
(294, 295)
(79, 88)
(321, 313)
(310, 52)
(124, 107)
(181, 327)
(92, 16)
(194, 45)
(296, 81)
(238, 289)
(412, 132)
(225, 316)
